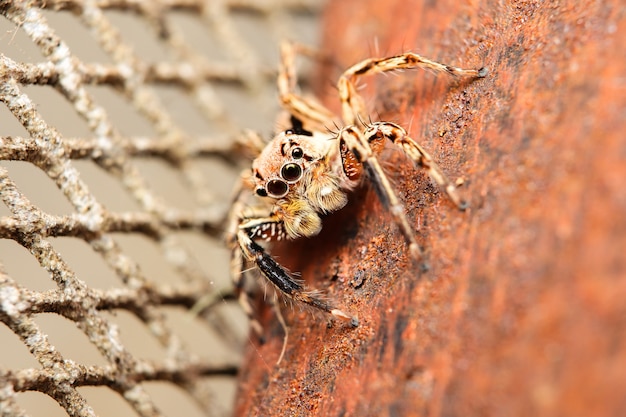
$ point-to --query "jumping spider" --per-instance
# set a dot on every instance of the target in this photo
(308, 171)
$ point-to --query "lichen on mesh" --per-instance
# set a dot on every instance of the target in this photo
(116, 157)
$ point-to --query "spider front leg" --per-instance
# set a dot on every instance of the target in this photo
(353, 107)
(360, 149)
(276, 274)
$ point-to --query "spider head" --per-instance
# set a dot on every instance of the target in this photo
(283, 163)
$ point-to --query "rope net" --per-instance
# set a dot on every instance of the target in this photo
(117, 154)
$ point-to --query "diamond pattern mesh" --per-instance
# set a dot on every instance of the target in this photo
(117, 153)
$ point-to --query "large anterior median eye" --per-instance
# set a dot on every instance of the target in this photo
(277, 188)
(291, 172)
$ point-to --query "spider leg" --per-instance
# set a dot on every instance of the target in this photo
(281, 279)
(237, 261)
(352, 105)
(360, 149)
(398, 136)
(249, 144)
(248, 224)
(311, 113)
(357, 146)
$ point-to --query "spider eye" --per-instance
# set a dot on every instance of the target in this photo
(297, 153)
(261, 192)
(291, 172)
(277, 188)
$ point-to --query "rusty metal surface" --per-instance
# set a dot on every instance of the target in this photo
(522, 311)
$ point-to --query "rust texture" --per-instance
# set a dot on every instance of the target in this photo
(522, 311)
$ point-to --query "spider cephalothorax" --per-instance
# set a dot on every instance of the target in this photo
(302, 174)
(298, 171)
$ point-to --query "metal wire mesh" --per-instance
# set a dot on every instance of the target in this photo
(116, 161)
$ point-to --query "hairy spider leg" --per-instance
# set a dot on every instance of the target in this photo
(379, 131)
(238, 207)
(289, 286)
(310, 112)
(249, 224)
(360, 149)
(357, 154)
(352, 104)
